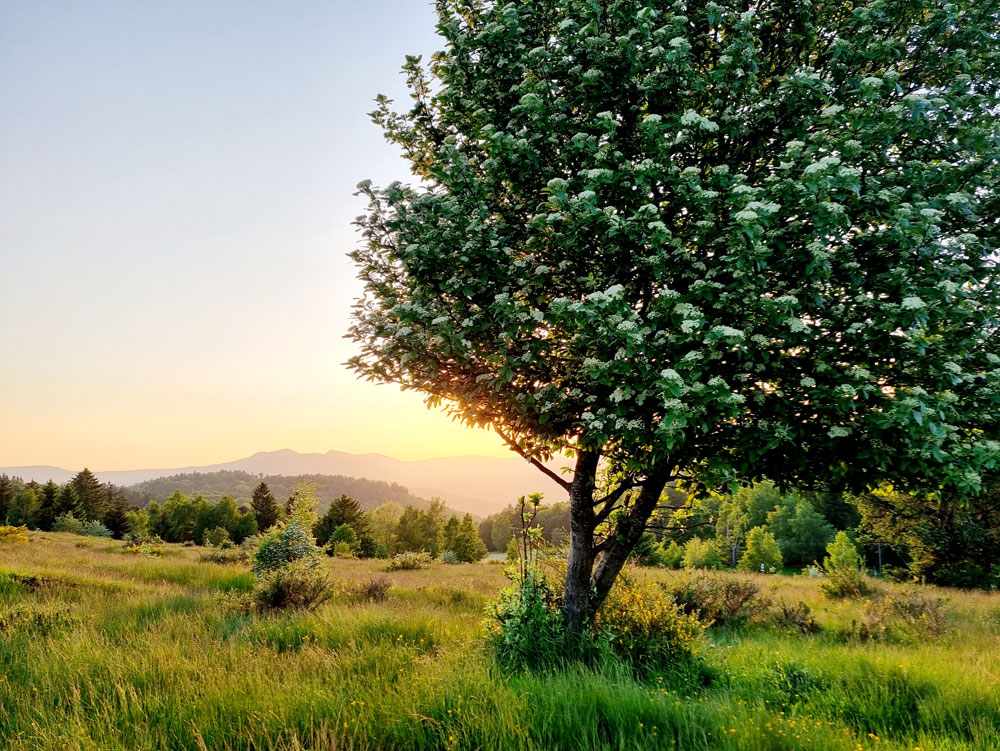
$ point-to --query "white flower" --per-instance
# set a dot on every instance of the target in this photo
(671, 375)
(807, 382)
(838, 432)
(746, 217)
(692, 119)
(913, 303)
(830, 111)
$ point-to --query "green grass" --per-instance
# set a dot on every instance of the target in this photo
(138, 655)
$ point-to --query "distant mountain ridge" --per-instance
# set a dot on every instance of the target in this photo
(478, 484)
(239, 485)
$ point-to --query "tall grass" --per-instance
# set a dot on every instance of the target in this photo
(142, 656)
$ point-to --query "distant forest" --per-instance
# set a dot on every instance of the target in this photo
(239, 486)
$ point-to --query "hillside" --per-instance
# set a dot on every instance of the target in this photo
(480, 485)
(239, 485)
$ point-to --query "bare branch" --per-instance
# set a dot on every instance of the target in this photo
(534, 462)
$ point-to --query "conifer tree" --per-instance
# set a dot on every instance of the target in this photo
(265, 507)
(469, 547)
(6, 496)
(48, 505)
(91, 495)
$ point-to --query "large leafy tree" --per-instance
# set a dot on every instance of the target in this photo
(696, 241)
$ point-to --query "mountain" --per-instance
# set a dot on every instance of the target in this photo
(480, 485)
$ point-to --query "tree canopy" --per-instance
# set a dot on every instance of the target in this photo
(698, 241)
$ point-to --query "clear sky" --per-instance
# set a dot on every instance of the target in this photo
(176, 199)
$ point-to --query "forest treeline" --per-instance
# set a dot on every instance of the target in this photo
(84, 505)
(940, 538)
(943, 539)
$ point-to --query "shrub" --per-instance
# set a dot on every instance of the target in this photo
(718, 600)
(449, 557)
(376, 589)
(797, 616)
(95, 529)
(284, 544)
(761, 553)
(900, 616)
(841, 554)
(847, 582)
(226, 555)
(645, 626)
(409, 561)
(13, 535)
(299, 585)
(368, 547)
(215, 538)
(513, 550)
(343, 533)
(700, 553)
(526, 623)
(147, 549)
(844, 575)
(343, 549)
(672, 555)
(67, 523)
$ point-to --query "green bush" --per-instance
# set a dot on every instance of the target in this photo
(644, 625)
(68, 523)
(410, 561)
(904, 616)
(449, 557)
(722, 600)
(845, 576)
(343, 549)
(284, 544)
(700, 553)
(95, 529)
(672, 556)
(299, 585)
(215, 538)
(526, 624)
(761, 552)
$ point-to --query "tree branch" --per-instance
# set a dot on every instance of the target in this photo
(534, 462)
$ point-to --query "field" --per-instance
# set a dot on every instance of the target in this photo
(102, 649)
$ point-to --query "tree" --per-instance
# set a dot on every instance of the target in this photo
(843, 556)
(801, 532)
(449, 535)
(382, 521)
(696, 243)
(943, 537)
(468, 547)
(409, 532)
(502, 532)
(265, 507)
(6, 496)
(91, 495)
(48, 505)
(762, 552)
(116, 512)
(23, 509)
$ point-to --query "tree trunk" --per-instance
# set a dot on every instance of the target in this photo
(624, 539)
(576, 595)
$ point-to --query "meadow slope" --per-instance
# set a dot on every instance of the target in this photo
(102, 649)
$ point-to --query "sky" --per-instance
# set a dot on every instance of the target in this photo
(176, 205)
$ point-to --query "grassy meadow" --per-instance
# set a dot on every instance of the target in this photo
(103, 649)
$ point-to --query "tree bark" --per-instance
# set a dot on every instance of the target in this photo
(624, 539)
(580, 564)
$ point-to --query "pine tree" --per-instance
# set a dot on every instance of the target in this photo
(91, 495)
(469, 548)
(265, 507)
(449, 537)
(116, 512)
(67, 502)
(48, 505)
(343, 510)
(6, 496)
